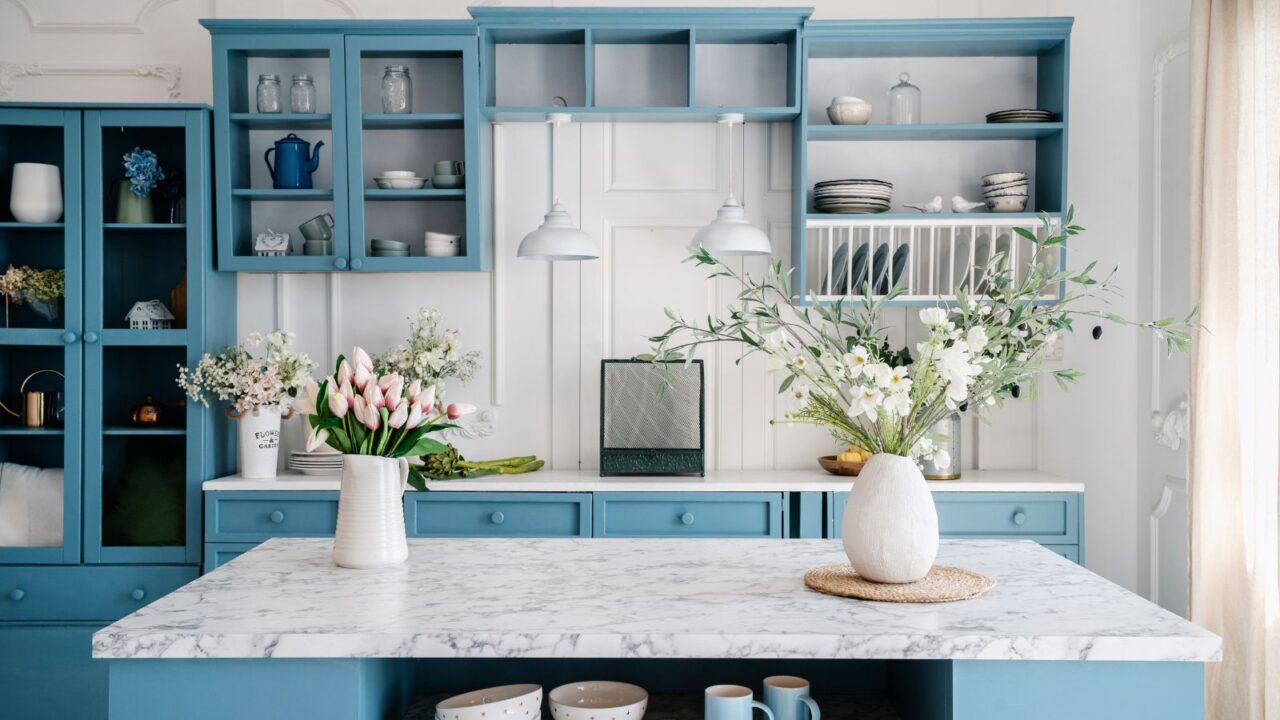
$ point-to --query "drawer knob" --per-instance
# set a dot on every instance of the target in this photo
(68, 337)
(91, 337)
(17, 594)
(356, 263)
(138, 594)
(497, 518)
(340, 263)
(687, 518)
(1019, 518)
(277, 516)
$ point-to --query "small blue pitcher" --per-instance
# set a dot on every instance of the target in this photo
(293, 167)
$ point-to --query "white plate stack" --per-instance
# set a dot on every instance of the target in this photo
(852, 196)
(1005, 192)
(1020, 116)
(316, 463)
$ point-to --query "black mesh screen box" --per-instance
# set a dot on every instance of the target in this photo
(651, 418)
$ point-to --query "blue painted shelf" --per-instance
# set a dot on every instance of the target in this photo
(423, 194)
(10, 225)
(282, 121)
(143, 227)
(145, 431)
(636, 114)
(144, 338)
(951, 131)
(29, 431)
(282, 195)
(411, 121)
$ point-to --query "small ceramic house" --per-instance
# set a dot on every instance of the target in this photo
(149, 315)
(271, 244)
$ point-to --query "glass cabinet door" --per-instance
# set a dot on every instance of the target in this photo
(40, 337)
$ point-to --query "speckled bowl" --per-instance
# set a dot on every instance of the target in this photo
(506, 702)
(849, 110)
(598, 700)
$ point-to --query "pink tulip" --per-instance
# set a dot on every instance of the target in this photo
(373, 396)
(416, 417)
(372, 418)
(415, 387)
(346, 391)
(361, 359)
(457, 410)
(360, 408)
(338, 405)
(316, 438)
(393, 395)
(306, 402)
(397, 419)
(362, 377)
(426, 399)
(344, 372)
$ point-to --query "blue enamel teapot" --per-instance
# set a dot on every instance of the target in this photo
(294, 163)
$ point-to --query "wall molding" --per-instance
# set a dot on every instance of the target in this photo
(1173, 488)
(480, 427)
(168, 73)
(611, 166)
(498, 277)
(38, 24)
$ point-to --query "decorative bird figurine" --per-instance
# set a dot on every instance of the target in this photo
(933, 206)
(960, 205)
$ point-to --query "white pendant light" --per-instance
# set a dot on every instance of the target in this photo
(557, 238)
(730, 233)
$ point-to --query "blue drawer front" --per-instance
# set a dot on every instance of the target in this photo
(218, 554)
(48, 673)
(693, 514)
(1070, 552)
(1049, 518)
(469, 514)
(91, 592)
(247, 516)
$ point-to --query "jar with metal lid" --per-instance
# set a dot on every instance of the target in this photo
(268, 95)
(397, 90)
(904, 102)
(302, 95)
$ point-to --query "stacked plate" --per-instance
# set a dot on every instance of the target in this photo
(388, 248)
(316, 463)
(1005, 191)
(852, 196)
(1020, 116)
(399, 180)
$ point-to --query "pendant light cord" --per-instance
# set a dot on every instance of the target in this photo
(732, 200)
(555, 176)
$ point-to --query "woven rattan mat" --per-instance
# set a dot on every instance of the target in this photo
(943, 584)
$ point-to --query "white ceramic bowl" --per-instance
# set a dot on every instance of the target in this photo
(848, 110)
(1006, 186)
(598, 699)
(1007, 204)
(399, 183)
(1003, 177)
(1007, 192)
(506, 702)
(399, 174)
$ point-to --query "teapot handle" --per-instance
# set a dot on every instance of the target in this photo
(266, 157)
(404, 474)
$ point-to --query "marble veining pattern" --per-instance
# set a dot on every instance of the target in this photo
(640, 598)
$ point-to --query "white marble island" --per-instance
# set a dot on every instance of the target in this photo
(558, 607)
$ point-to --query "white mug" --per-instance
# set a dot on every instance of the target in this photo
(437, 237)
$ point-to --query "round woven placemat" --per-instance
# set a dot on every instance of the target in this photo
(944, 583)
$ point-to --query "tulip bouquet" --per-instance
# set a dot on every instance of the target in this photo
(358, 412)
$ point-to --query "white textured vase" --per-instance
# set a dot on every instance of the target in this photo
(259, 442)
(890, 526)
(36, 194)
(371, 512)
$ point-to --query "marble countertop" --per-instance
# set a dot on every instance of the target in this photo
(805, 480)
(640, 598)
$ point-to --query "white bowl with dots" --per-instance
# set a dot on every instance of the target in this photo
(506, 702)
(598, 700)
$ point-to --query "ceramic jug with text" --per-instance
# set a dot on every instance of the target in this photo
(294, 163)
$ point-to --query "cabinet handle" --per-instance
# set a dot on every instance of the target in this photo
(138, 594)
(1019, 518)
(497, 518)
(356, 263)
(277, 516)
(687, 518)
(17, 594)
(91, 337)
(68, 337)
(340, 263)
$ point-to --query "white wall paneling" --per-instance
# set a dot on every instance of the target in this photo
(1167, 528)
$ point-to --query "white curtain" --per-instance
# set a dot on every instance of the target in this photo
(1235, 383)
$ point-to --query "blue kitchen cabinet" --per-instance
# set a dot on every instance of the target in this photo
(130, 511)
(689, 514)
(512, 514)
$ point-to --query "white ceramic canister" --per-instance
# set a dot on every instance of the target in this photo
(36, 195)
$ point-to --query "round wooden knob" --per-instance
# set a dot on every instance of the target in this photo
(277, 516)
(497, 518)
(1019, 518)
(687, 518)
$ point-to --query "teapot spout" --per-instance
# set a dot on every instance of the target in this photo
(315, 157)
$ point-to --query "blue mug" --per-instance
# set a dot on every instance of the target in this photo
(787, 696)
(731, 702)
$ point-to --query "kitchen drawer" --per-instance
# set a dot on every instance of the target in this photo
(1070, 552)
(248, 516)
(92, 592)
(218, 554)
(688, 514)
(1049, 518)
(513, 514)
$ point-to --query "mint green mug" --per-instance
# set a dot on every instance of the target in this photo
(788, 696)
(731, 702)
(449, 167)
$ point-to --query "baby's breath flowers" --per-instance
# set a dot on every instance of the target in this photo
(247, 382)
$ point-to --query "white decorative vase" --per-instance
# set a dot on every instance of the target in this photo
(259, 442)
(36, 195)
(371, 512)
(890, 526)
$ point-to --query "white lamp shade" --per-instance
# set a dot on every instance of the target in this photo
(558, 239)
(731, 234)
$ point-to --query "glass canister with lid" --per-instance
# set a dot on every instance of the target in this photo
(397, 90)
(904, 102)
(302, 94)
(268, 95)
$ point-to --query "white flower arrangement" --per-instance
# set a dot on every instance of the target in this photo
(839, 366)
(430, 355)
(247, 382)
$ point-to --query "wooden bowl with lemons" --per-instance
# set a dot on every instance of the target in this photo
(848, 463)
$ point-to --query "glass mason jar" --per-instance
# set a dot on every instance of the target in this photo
(302, 95)
(904, 102)
(269, 93)
(397, 90)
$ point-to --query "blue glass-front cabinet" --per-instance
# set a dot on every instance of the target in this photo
(346, 62)
(127, 527)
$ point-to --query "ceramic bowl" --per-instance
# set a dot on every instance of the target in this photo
(448, 182)
(1007, 204)
(507, 702)
(839, 467)
(399, 183)
(598, 700)
(847, 110)
(1007, 192)
(1003, 177)
(380, 244)
(1021, 185)
(399, 174)
(442, 250)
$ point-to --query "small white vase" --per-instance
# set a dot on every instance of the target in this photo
(890, 526)
(371, 512)
(259, 442)
(36, 195)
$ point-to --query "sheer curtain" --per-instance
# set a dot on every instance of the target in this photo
(1235, 383)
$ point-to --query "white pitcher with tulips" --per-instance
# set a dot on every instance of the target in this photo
(377, 423)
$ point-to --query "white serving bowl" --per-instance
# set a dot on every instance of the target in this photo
(506, 702)
(1007, 204)
(1019, 185)
(1003, 177)
(1008, 192)
(598, 700)
(399, 174)
(849, 110)
(399, 183)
